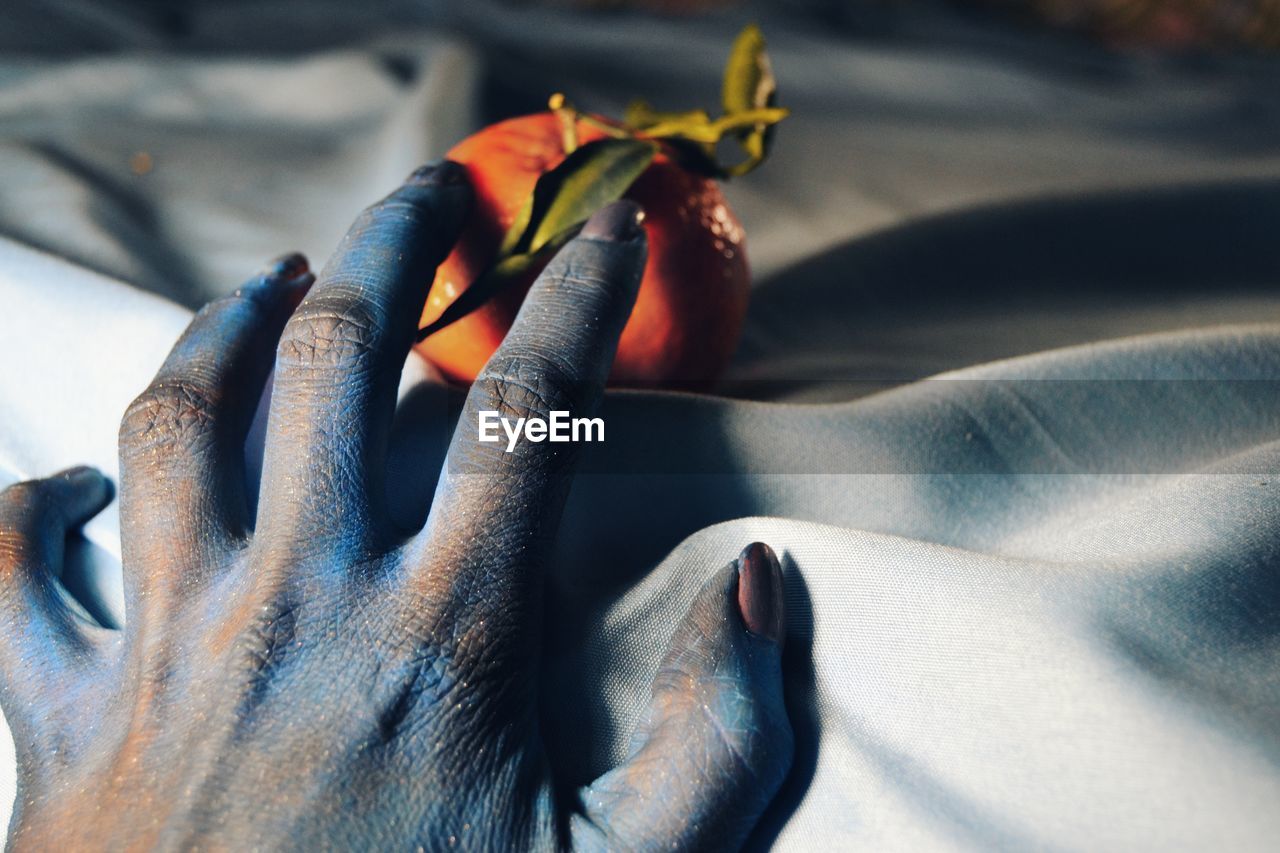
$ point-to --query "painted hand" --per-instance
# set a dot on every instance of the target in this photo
(297, 672)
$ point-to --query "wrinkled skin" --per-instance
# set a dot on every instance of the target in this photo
(295, 672)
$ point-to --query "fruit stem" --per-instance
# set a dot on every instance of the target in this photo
(608, 129)
(568, 117)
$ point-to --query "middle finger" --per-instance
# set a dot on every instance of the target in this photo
(339, 360)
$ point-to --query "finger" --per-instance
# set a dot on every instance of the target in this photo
(46, 648)
(555, 359)
(715, 743)
(182, 440)
(339, 361)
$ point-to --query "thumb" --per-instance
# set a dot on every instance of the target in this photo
(48, 650)
(715, 743)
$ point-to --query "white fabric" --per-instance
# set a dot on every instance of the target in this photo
(1033, 604)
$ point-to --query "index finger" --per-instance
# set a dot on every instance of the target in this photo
(498, 504)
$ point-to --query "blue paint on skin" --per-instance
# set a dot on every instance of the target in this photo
(312, 675)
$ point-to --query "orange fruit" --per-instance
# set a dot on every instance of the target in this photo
(693, 297)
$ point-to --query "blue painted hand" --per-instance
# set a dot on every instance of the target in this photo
(308, 675)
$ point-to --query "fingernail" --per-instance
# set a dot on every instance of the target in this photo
(760, 591)
(289, 268)
(440, 173)
(617, 222)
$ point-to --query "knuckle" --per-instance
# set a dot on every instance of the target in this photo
(762, 735)
(743, 724)
(172, 413)
(14, 547)
(27, 494)
(328, 335)
(528, 382)
(20, 506)
(583, 277)
(599, 291)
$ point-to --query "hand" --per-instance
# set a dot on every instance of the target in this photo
(310, 676)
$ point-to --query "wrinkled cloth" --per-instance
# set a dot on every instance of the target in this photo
(1006, 401)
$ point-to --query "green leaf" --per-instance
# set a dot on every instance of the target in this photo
(640, 115)
(749, 119)
(497, 278)
(562, 200)
(588, 179)
(515, 234)
(748, 77)
(749, 98)
(749, 85)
